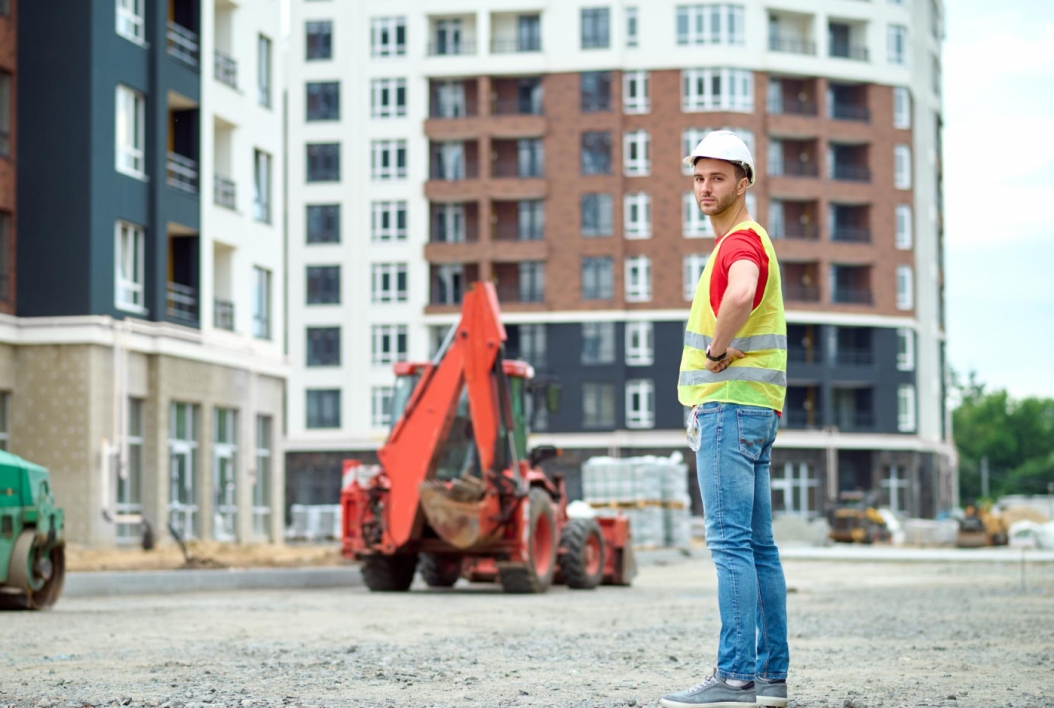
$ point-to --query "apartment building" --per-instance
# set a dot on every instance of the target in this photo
(8, 156)
(144, 362)
(538, 145)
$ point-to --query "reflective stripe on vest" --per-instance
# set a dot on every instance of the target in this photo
(743, 344)
(737, 373)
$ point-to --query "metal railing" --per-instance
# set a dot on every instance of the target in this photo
(531, 169)
(226, 69)
(459, 170)
(851, 173)
(183, 303)
(224, 191)
(801, 293)
(510, 46)
(513, 231)
(440, 233)
(802, 355)
(517, 107)
(858, 420)
(792, 107)
(446, 49)
(798, 419)
(852, 234)
(182, 173)
(797, 168)
(183, 44)
(850, 111)
(515, 292)
(451, 111)
(800, 232)
(852, 296)
(846, 50)
(852, 356)
(223, 314)
(792, 45)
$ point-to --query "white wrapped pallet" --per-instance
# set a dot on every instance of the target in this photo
(678, 527)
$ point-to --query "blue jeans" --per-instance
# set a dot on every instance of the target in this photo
(733, 465)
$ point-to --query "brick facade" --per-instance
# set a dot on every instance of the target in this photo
(8, 163)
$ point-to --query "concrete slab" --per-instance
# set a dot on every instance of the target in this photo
(847, 552)
(178, 581)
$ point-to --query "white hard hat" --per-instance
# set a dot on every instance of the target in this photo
(724, 145)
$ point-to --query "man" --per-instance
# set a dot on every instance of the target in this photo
(733, 375)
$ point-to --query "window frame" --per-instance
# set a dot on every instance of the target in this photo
(331, 101)
(135, 154)
(262, 181)
(602, 202)
(632, 27)
(640, 83)
(592, 143)
(897, 44)
(595, 28)
(592, 98)
(636, 153)
(262, 302)
(395, 89)
(322, 52)
(396, 212)
(902, 166)
(321, 422)
(905, 292)
(905, 359)
(598, 344)
(394, 272)
(136, 289)
(332, 213)
(264, 72)
(393, 150)
(640, 343)
(598, 393)
(901, 108)
(691, 266)
(604, 289)
(698, 24)
(322, 274)
(328, 354)
(131, 21)
(739, 100)
(332, 172)
(391, 47)
(390, 337)
(639, 228)
(907, 417)
(903, 228)
(638, 279)
(642, 417)
(381, 406)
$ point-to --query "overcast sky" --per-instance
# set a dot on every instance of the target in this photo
(999, 191)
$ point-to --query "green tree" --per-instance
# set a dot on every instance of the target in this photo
(1017, 437)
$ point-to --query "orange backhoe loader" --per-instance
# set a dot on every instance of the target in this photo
(457, 493)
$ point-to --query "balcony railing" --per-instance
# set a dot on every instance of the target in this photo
(802, 355)
(858, 420)
(441, 233)
(852, 234)
(224, 192)
(796, 168)
(522, 170)
(226, 69)
(449, 110)
(850, 111)
(851, 173)
(801, 293)
(852, 356)
(512, 231)
(223, 314)
(517, 107)
(183, 303)
(846, 50)
(520, 293)
(793, 45)
(510, 46)
(852, 296)
(183, 44)
(445, 49)
(453, 171)
(182, 173)
(792, 107)
(800, 232)
(798, 419)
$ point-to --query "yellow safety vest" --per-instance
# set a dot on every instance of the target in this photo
(758, 379)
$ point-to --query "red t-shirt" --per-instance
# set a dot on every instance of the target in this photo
(744, 245)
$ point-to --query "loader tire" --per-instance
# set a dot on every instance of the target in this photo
(582, 560)
(389, 573)
(439, 571)
(537, 574)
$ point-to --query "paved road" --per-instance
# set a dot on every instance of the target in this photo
(862, 634)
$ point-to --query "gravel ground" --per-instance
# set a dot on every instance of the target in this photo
(862, 634)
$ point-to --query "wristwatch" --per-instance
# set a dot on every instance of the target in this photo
(715, 358)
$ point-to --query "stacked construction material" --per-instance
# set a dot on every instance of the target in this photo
(651, 491)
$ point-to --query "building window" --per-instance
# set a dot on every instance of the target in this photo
(595, 91)
(898, 44)
(323, 223)
(388, 36)
(598, 343)
(640, 404)
(696, 224)
(5, 256)
(388, 282)
(319, 40)
(323, 346)
(323, 162)
(640, 349)
(906, 408)
(131, 132)
(449, 223)
(131, 20)
(710, 24)
(323, 408)
(637, 215)
(632, 27)
(449, 100)
(388, 221)
(901, 108)
(5, 434)
(323, 285)
(596, 29)
(694, 265)
(389, 344)
(5, 114)
(323, 101)
(262, 186)
(388, 98)
(531, 224)
(381, 406)
(532, 281)
(597, 278)
(596, 153)
(130, 479)
(935, 74)
(902, 167)
(597, 215)
(262, 479)
(183, 426)
(638, 279)
(130, 249)
(261, 303)
(263, 71)
(389, 159)
(905, 349)
(530, 159)
(636, 153)
(532, 341)
(635, 92)
(225, 465)
(717, 90)
(449, 284)
(904, 227)
(598, 405)
(905, 287)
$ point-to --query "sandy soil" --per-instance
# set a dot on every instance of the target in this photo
(862, 634)
(203, 554)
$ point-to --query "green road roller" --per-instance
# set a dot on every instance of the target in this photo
(32, 544)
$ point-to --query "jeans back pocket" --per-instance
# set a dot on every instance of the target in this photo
(755, 431)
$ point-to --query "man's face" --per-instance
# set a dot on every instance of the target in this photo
(715, 185)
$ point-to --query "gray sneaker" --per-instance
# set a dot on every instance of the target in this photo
(713, 692)
(771, 693)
